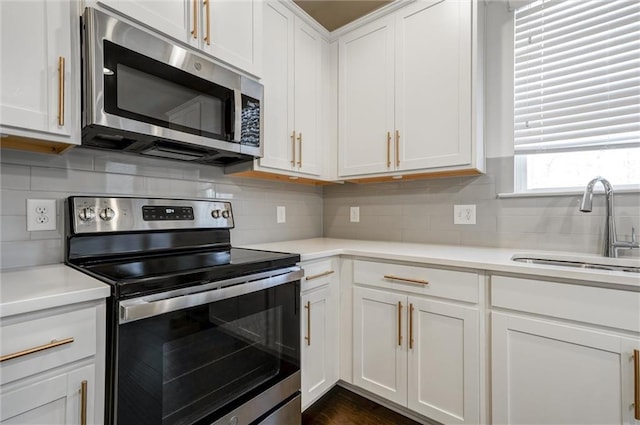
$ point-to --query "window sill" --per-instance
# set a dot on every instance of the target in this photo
(564, 192)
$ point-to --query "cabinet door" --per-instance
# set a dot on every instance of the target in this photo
(319, 340)
(366, 99)
(444, 361)
(55, 400)
(174, 18)
(433, 84)
(35, 35)
(235, 27)
(278, 87)
(550, 373)
(307, 59)
(379, 333)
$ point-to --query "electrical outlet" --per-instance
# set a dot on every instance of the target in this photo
(354, 214)
(464, 214)
(281, 214)
(41, 214)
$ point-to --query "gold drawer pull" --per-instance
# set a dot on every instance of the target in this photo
(636, 383)
(315, 276)
(207, 5)
(308, 337)
(61, 91)
(399, 323)
(194, 31)
(406, 279)
(83, 403)
(397, 148)
(388, 149)
(293, 146)
(22, 353)
(411, 326)
(300, 152)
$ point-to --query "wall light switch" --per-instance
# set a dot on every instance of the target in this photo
(281, 214)
(41, 214)
(464, 214)
(354, 214)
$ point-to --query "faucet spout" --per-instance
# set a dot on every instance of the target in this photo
(609, 248)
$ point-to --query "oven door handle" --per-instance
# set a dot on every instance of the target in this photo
(154, 305)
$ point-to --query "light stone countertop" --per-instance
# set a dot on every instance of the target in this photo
(37, 288)
(478, 258)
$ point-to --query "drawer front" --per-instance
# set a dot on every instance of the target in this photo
(38, 338)
(456, 285)
(600, 306)
(318, 273)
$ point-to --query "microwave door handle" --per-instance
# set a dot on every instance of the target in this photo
(237, 113)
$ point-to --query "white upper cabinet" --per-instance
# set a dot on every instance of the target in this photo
(408, 92)
(433, 84)
(365, 96)
(39, 72)
(235, 28)
(229, 30)
(292, 94)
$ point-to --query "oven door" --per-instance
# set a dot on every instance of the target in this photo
(207, 354)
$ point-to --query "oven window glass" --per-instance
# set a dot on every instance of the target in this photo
(195, 365)
(147, 90)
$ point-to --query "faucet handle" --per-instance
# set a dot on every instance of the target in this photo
(633, 235)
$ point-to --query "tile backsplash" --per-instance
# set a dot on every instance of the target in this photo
(91, 172)
(422, 211)
(412, 211)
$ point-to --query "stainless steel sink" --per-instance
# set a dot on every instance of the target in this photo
(620, 265)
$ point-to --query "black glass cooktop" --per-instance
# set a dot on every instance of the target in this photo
(162, 272)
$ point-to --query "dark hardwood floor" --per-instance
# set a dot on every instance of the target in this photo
(342, 407)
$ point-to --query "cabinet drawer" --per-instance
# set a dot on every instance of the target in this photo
(74, 330)
(600, 306)
(318, 273)
(456, 285)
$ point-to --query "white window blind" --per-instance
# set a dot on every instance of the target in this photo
(577, 75)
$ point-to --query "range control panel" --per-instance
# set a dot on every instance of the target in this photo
(98, 214)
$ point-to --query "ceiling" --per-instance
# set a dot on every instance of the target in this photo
(333, 14)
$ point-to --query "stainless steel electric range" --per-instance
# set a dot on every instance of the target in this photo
(198, 332)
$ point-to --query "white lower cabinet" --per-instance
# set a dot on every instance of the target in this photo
(52, 369)
(62, 399)
(553, 373)
(574, 366)
(320, 333)
(418, 352)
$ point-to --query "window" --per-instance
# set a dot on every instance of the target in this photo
(577, 93)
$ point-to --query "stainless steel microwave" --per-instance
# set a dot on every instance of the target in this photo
(146, 95)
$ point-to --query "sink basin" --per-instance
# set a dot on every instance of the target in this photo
(586, 262)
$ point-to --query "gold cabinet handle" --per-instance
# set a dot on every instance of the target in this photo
(61, 91)
(207, 5)
(411, 326)
(406, 279)
(83, 403)
(397, 148)
(315, 276)
(194, 31)
(293, 147)
(399, 323)
(300, 152)
(43, 347)
(388, 149)
(308, 337)
(636, 384)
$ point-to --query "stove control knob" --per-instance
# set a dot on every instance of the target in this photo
(215, 214)
(87, 214)
(225, 213)
(107, 214)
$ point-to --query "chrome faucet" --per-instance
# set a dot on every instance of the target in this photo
(611, 242)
